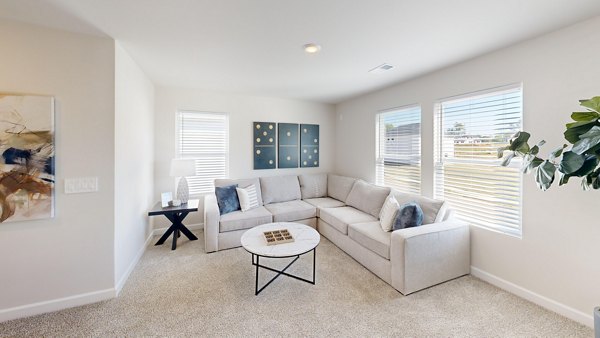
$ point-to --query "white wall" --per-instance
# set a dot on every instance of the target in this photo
(134, 162)
(243, 110)
(71, 254)
(557, 256)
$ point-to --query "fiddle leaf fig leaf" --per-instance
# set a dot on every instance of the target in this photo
(556, 153)
(563, 179)
(534, 150)
(531, 162)
(591, 162)
(501, 151)
(592, 104)
(587, 141)
(571, 162)
(585, 116)
(506, 160)
(576, 129)
(544, 175)
(519, 142)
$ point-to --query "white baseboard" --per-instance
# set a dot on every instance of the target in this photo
(545, 302)
(133, 264)
(55, 304)
(195, 226)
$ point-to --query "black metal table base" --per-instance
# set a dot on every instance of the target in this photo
(281, 272)
(176, 229)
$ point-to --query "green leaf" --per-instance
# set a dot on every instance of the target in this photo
(564, 179)
(506, 160)
(519, 142)
(587, 141)
(556, 153)
(593, 104)
(570, 162)
(572, 133)
(534, 150)
(544, 175)
(501, 151)
(585, 116)
(591, 162)
(530, 163)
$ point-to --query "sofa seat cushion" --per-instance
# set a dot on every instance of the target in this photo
(239, 220)
(291, 211)
(341, 217)
(371, 236)
(324, 202)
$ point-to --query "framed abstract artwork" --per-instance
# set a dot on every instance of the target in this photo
(288, 145)
(265, 154)
(27, 147)
(309, 145)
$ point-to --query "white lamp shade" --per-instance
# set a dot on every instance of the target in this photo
(183, 168)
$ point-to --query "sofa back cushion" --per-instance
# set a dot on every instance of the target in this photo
(339, 187)
(313, 185)
(280, 189)
(241, 183)
(367, 197)
(433, 210)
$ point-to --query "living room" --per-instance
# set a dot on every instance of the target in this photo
(121, 73)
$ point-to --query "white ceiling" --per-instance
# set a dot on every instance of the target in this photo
(255, 46)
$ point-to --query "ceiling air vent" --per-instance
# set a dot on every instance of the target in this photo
(381, 68)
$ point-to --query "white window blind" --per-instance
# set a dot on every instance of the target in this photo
(468, 131)
(204, 137)
(398, 163)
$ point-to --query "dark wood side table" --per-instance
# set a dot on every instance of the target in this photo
(176, 216)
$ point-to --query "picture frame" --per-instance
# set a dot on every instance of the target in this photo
(165, 198)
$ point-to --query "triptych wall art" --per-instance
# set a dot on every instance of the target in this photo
(296, 145)
(27, 163)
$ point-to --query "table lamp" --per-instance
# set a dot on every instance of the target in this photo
(182, 168)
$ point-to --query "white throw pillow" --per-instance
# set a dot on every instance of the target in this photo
(248, 197)
(388, 213)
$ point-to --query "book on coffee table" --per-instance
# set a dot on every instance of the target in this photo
(281, 236)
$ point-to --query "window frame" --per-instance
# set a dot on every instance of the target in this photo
(178, 142)
(380, 167)
(515, 164)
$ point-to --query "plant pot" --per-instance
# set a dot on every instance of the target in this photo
(597, 322)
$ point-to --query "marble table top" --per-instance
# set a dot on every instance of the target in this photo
(305, 239)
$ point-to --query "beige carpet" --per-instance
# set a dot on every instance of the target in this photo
(190, 293)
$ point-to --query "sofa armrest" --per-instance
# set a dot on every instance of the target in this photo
(211, 223)
(430, 254)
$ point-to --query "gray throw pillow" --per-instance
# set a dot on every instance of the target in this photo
(409, 215)
(227, 199)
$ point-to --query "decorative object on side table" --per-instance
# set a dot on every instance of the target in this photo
(182, 168)
(165, 199)
(264, 145)
(175, 214)
(27, 171)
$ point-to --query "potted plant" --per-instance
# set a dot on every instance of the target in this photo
(580, 158)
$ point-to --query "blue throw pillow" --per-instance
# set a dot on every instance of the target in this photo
(227, 199)
(409, 215)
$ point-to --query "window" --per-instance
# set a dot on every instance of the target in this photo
(468, 132)
(398, 162)
(204, 137)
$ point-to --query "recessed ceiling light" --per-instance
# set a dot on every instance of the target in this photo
(311, 48)
(381, 68)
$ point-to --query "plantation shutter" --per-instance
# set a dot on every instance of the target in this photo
(468, 132)
(204, 138)
(398, 163)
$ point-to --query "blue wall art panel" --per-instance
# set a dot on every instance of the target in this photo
(309, 145)
(264, 142)
(288, 145)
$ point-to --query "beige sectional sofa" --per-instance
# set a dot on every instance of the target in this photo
(346, 211)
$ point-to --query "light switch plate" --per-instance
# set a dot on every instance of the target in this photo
(81, 185)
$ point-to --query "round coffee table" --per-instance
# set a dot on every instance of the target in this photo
(306, 240)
